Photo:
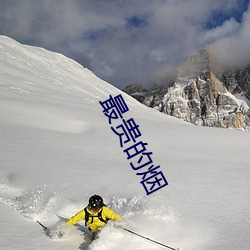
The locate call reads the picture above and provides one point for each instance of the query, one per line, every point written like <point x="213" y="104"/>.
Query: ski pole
<point x="45" y="228"/>
<point x="149" y="239"/>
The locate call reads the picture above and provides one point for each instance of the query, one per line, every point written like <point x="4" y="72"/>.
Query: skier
<point x="95" y="214"/>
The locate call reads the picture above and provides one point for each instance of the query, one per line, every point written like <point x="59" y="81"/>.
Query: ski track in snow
<point x="43" y="117"/>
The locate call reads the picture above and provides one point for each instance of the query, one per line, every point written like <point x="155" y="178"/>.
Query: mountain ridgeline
<point x="202" y="95"/>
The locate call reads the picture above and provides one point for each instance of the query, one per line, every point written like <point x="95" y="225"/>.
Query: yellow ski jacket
<point x="94" y="223"/>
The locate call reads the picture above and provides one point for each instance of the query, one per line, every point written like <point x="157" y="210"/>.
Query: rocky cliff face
<point x="199" y="96"/>
<point x="237" y="81"/>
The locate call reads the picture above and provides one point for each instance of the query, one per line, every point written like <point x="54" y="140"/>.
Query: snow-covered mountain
<point x="201" y="95"/>
<point x="57" y="148"/>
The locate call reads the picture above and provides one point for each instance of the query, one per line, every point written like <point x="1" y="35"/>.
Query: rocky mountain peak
<point x="196" y="64"/>
<point x="200" y="96"/>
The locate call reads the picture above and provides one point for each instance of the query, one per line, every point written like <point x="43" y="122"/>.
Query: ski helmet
<point x="96" y="202"/>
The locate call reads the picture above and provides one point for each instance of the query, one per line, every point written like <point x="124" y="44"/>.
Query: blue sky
<point x="131" y="41"/>
<point x="218" y="17"/>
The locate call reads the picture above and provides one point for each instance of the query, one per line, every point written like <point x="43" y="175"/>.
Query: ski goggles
<point x="94" y="208"/>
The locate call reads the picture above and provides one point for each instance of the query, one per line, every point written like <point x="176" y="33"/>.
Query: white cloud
<point x="233" y="49"/>
<point x="228" y="28"/>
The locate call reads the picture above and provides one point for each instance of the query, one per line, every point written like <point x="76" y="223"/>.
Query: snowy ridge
<point x="57" y="149"/>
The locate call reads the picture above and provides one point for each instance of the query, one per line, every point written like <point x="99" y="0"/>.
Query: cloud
<point x="228" y="28"/>
<point x="233" y="49"/>
<point x="126" y="42"/>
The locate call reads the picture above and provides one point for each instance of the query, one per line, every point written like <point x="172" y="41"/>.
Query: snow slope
<point x="57" y="149"/>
